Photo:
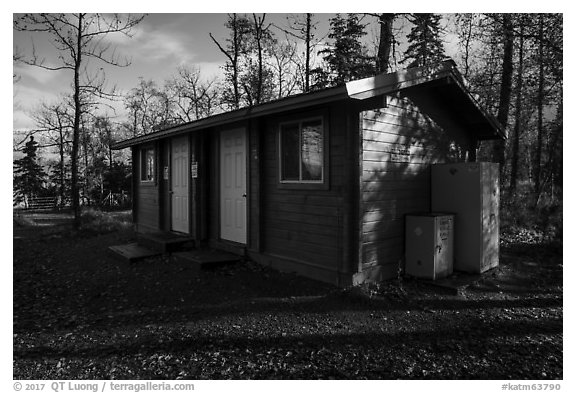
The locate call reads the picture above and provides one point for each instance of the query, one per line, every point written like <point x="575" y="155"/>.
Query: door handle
<point x="243" y="195"/>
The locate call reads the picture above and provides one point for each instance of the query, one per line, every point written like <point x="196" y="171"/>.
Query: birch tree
<point x="78" y="39"/>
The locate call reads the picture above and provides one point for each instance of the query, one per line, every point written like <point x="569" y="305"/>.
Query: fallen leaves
<point x="83" y="315"/>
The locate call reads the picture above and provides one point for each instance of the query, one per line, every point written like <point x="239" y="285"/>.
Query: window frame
<point x="143" y="162"/>
<point x="300" y="183"/>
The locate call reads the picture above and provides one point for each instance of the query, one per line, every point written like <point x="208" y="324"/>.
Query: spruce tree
<point x="347" y="59"/>
<point x="29" y="176"/>
<point x="424" y="42"/>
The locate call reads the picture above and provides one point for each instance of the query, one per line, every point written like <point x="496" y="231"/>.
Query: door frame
<point x="186" y="138"/>
<point x="244" y="128"/>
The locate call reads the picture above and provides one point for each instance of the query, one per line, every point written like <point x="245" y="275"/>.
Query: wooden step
<point x="132" y="252"/>
<point x="165" y="242"/>
<point x="207" y="258"/>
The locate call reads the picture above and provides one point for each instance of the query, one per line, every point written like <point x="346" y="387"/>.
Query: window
<point x="302" y="151"/>
<point x="147" y="164"/>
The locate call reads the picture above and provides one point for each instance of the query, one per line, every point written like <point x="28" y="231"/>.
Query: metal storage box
<point x="471" y="192"/>
<point x="429" y="245"/>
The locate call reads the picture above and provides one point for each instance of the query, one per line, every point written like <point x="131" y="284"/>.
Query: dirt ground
<point x="79" y="313"/>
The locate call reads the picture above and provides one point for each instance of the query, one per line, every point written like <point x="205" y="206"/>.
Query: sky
<point x="160" y="44"/>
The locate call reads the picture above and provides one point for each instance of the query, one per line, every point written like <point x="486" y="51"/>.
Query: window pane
<point x="143" y="164"/>
<point x="150" y="164"/>
<point x="147" y="162"/>
<point x="289" y="145"/>
<point x="312" y="154"/>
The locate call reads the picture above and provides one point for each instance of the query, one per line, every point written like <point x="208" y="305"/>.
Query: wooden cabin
<point x="317" y="183"/>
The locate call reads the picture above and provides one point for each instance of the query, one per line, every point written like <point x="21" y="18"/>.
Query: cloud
<point x="155" y="45"/>
<point x="35" y="75"/>
<point x="210" y="70"/>
<point x="25" y="100"/>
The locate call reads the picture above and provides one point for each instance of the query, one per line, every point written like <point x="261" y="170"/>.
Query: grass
<point x="99" y="221"/>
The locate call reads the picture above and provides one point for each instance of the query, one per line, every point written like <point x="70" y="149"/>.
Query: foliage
<point x="347" y="58"/>
<point x="182" y="98"/>
<point x="258" y="85"/>
<point x="29" y="176"/>
<point x="235" y="48"/>
<point x="193" y="98"/>
<point x="261" y="65"/>
<point x="303" y="27"/>
<point x="536" y="110"/>
<point x="149" y="108"/>
<point x="97" y="221"/>
<point x="79" y="40"/>
<point x="118" y="178"/>
<point x="521" y="218"/>
<point x="60" y="182"/>
<point x="286" y="67"/>
<point x="424" y="40"/>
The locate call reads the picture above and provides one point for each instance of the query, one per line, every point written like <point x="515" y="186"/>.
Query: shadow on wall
<point x="399" y="143"/>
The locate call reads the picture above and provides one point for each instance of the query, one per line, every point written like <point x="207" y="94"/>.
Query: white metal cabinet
<point x="429" y="245"/>
<point x="472" y="193"/>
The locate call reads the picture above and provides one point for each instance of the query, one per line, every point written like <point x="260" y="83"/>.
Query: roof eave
<point x="417" y="76"/>
<point x="285" y="104"/>
<point x="359" y="90"/>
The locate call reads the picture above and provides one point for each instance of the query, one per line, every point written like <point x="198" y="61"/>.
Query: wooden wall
<point x="147" y="194"/>
<point x="255" y="130"/>
<point x="305" y="225"/>
<point x="399" y="142"/>
<point x="165" y="216"/>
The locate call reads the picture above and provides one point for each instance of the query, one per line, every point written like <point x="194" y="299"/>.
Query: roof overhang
<point x="283" y="105"/>
<point x="444" y="84"/>
<point x="442" y="81"/>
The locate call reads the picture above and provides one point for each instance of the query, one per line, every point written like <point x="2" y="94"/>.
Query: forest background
<point x="513" y="64"/>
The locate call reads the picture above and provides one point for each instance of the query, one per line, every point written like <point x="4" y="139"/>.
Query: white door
<point x="233" y="185"/>
<point x="180" y="180"/>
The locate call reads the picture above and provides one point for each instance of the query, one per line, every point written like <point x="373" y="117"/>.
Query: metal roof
<point x="442" y="79"/>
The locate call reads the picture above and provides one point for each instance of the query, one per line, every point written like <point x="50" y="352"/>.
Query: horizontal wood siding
<point x="399" y="142"/>
<point x="304" y="224"/>
<point x="254" y="175"/>
<point x="213" y="161"/>
<point x="165" y="218"/>
<point x="148" y="203"/>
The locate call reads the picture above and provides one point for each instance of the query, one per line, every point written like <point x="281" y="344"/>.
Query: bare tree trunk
<point x="554" y="162"/>
<point x="235" y="57"/>
<point x="61" y="180"/>
<point x="386" y="22"/>
<point x="258" y="33"/>
<point x="518" y="115"/>
<point x="466" y="39"/>
<point x="74" y="42"/>
<point x="76" y="129"/>
<point x="308" y="44"/>
<point x="86" y="174"/>
<point x="540" y="104"/>
<point x="505" y="90"/>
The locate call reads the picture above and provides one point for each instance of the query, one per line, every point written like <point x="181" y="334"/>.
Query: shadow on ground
<point x="81" y="314"/>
